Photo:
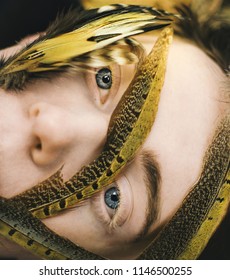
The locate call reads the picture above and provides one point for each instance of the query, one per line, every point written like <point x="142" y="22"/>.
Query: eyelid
<point x="124" y="210"/>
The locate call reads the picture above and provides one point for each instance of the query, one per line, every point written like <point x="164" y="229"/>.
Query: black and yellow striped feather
<point x="24" y="229"/>
<point x="73" y="38"/>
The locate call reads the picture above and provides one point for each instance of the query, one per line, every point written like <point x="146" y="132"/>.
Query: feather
<point x="125" y="51"/>
<point x="62" y="44"/>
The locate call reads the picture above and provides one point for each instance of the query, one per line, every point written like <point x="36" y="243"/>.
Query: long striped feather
<point x="91" y="30"/>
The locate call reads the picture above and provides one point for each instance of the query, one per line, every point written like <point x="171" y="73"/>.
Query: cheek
<point x="19" y="176"/>
<point x="80" y="226"/>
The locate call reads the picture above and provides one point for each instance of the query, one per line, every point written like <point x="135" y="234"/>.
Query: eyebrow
<point x="152" y="181"/>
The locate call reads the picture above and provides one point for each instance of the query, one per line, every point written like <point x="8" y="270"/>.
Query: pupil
<point x="114" y="197"/>
<point x="106" y="79"/>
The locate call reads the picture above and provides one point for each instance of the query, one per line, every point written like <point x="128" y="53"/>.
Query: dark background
<point x="19" y="18"/>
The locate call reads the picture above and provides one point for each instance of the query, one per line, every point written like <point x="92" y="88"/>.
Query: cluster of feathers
<point x="84" y="40"/>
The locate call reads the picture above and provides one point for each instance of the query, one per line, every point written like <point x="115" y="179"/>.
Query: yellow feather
<point x="103" y="27"/>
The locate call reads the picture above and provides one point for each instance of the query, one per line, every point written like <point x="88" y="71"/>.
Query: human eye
<point x="112" y="198"/>
<point x="107" y="84"/>
<point x="113" y="205"/>
<point x="103" y="83"/>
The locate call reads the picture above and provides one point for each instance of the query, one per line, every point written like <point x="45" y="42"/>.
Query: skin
<point x="55" y="113"/>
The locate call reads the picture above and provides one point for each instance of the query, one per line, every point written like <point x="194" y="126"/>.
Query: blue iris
<point x="112" y="198"/>
<point x="104" y="78"/>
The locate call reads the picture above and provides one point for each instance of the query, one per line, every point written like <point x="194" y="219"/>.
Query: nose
<point x="52" y="132"/>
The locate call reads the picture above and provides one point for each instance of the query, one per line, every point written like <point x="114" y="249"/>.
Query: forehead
<point x="190" y="107"/>
<point x="191" y="69"/>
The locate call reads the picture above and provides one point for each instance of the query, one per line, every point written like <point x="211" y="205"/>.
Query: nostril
<point x="38" y="144"/>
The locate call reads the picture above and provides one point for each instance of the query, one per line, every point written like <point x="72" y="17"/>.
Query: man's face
<point x="64" y="121"/>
